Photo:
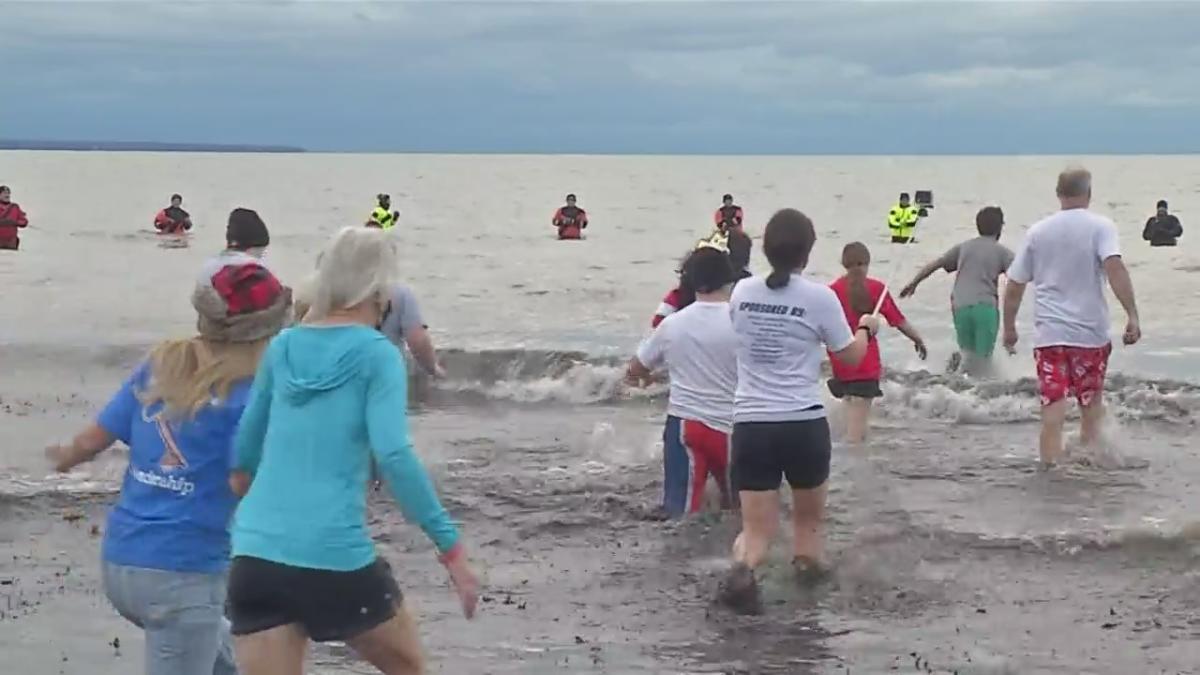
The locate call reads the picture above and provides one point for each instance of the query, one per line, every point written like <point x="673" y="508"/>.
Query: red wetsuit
<point x="570" y="221"/>
<point x="11" y="219"/>
<point x="728" y="216"/>
<point x="172" y="220"/>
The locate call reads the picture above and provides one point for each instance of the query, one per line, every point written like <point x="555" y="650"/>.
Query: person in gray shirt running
<point x="403" y="325"/>
<point x="979" y="263"/>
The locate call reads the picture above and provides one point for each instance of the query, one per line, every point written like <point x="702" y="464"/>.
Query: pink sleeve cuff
<point x="457" y="551"/>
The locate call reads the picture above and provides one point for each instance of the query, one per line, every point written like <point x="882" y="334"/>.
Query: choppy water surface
<point x="953" y="553"/>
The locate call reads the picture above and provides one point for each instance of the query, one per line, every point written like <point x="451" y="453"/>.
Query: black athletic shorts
<point x="859" y="388"/>
<point x="329" y="605"/>
<point x="765" y="452"/>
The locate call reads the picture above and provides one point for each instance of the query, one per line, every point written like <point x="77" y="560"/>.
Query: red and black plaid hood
<point x="241" y="302"/>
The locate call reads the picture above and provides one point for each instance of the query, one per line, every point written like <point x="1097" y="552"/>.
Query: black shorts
<point x="765" y="452"/>
<point x="329" y="605"/>
<point x="859" y="388"/>
<point x="903" y="240"/>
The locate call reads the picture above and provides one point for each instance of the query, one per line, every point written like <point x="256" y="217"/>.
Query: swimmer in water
<point x="784" y="323"/>
<point x="857" y="385"/>
<point x="697" y="346"/>
<point x="330" y="394"/>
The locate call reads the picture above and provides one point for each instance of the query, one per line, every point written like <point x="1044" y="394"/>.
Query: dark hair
<point x="176" y="196"/>
<point x="1162" y="203"/>
<point x="989" y="221"/>
<point x="855" y="258"/>
<point x="571" y="196"/>
<point x="787" y="241"/>
<point x="727" y="198"/>
<point x="706" y="270"/>
<point x="246" y="230"/>
<point x="739" y="249"/>
<point x="5" y="188"/>
<point x="904" y="195"/>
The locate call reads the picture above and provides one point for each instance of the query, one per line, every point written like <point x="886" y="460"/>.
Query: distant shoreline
<point x="141" y="146"/>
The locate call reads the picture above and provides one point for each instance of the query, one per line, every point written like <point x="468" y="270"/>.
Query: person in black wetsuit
<point x="1163" y="229"/>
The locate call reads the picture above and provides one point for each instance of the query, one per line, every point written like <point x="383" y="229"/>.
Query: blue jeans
<point x="183" y="615"/>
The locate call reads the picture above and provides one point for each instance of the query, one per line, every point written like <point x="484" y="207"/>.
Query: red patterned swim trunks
<point x="1071" y="371"/>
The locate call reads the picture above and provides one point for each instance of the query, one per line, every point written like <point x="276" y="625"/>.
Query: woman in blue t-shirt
<point x="166" y="545"/>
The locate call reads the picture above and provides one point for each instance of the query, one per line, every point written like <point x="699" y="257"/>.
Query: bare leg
<point x="808" y="522"/>
<point x="1092" y="422"/>
<point x="278" y="651"/>
<point x="858" y="415"/>
<point x="394" y="646"/>
<point x="1051" y="442"/>
<point x="760" y="523"/>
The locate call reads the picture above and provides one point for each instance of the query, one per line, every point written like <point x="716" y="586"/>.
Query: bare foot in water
<point x="739" y="591"/>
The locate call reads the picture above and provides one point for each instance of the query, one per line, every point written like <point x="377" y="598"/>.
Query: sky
<point x="663" y="77"/>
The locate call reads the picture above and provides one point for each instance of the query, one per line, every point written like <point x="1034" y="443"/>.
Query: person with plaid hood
<point x="246" y="241"/>
<point x="166" y="544"/>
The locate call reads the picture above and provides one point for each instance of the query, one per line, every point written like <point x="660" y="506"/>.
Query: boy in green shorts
<point x="979" y="263"/>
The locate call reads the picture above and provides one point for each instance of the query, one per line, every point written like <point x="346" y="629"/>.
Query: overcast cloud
<point x="602" y="76"/>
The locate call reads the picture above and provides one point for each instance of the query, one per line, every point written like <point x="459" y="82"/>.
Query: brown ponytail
<point x="856" y="258"/>
<point x="787" y="241"/>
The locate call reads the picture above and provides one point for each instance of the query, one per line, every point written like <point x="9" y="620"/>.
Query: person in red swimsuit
<point x="858" y="385"/>
<point x="12" y="218"/>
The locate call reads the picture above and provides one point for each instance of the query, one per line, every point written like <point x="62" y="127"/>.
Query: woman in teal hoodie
<point x="330" y="393"/>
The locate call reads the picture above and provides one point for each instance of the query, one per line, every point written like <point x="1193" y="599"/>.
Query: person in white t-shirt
<point x="1067" y="257"/>
<point x="784" y="323"/>
<point x="698" y="347"/>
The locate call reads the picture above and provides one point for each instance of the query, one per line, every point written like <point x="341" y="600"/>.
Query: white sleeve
<point x="831" y="322"/>
<point x="652" y="352"/>
<point x="1107" y="242"/>
<point x="1021" y="269"/>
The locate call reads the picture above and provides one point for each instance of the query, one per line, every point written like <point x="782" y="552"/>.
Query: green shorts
<point x="976" y="327"/>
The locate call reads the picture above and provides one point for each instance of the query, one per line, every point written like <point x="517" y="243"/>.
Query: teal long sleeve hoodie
<point x="324" y="399"/>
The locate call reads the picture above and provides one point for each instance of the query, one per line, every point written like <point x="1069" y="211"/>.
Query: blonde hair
<point x="359" y="265"/>
<point x="185" y="375"/>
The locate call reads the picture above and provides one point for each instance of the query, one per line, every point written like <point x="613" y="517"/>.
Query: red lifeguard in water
<point x="11" y="219"/>
<point x="729" y="216"/>
<point x="570" y="220"/>
<point x="173" y="219"/>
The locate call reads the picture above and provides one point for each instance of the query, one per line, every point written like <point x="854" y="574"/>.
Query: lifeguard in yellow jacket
<point x="383" y="216"/>
<point x="902" y="220"/>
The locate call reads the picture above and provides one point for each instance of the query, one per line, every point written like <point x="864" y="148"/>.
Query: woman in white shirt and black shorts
<point x="784" y="323"/>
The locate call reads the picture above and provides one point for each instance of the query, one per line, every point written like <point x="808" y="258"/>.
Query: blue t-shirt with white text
<point x="175" y="505"/>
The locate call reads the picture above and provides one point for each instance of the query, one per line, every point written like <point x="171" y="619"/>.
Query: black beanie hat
<point x="246" y="230"/>
<point x="1162" y="204"/>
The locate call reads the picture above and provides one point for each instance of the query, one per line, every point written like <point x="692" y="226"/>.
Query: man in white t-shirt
<point x="1067" y="257"/>
<point x="697" y="346"/>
